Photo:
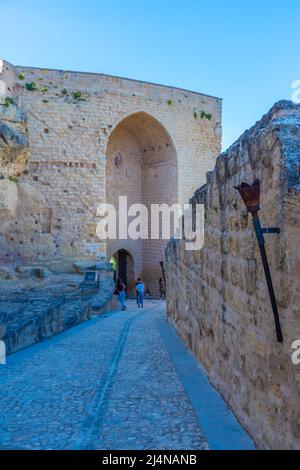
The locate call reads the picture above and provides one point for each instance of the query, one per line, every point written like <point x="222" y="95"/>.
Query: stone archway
<point x="125" y="269"/>
<point x="142" y="165"/>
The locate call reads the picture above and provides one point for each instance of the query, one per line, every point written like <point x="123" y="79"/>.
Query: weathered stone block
<point x="26" y="272"/>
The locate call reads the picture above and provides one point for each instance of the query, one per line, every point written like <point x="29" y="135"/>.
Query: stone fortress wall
<point x="67" y="130"/>
<point x="217" y="297"/>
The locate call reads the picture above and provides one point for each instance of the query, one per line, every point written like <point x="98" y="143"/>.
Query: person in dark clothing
<point x="120" y="291"/>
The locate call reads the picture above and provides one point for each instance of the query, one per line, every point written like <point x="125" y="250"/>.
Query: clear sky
<point x="245" y="51"/>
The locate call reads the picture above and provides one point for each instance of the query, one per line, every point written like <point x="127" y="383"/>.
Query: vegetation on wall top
<point x="202" y="115"/>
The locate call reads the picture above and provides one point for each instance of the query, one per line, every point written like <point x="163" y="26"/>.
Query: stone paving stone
<point x="109" y="383"/>
<point x="218" y="423"/>
<point x="147" y="396"/>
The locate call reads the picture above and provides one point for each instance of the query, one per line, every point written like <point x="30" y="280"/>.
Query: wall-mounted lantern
<point x="251" y="197"/>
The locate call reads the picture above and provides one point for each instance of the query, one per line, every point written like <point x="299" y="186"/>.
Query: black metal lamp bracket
<point x="251" y="195"/>
<point x="271" y="230"/>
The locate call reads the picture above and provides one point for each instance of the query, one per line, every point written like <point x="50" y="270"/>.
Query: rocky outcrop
<point x="7" y="273"/>
<point x="32" y="314"/>
<point x="27" y="272"/>
<point x="14" y="148"/>
<point x="217" y="297"/>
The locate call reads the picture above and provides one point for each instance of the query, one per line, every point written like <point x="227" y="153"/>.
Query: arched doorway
<point x="123" y="264"/>
<point x="142" y="165"/>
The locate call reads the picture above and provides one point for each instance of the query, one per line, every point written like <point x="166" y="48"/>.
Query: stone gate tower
<point x="72" y="140"/>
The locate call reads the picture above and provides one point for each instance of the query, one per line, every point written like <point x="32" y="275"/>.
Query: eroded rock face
<point x="28" y="272"/>
<point x="217" y="297"/>
<point x="14" y="148"/>
<point x="7" y="273"/>
<point x="38" y="304"/>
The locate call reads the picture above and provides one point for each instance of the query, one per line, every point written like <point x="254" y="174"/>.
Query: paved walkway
<point x="120" y="381"/>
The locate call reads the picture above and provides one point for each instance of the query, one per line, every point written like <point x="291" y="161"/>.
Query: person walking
<point x="162" y="288"/>
<point x="140" y="289"/>
<point x="120" y="291"/>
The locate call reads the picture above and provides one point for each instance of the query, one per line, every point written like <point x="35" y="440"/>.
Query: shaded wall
<point x="217" y="297"/>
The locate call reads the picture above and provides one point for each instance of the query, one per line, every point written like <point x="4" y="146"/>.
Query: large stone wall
<point x="217" y="297"/>
<point x="70" y="120"/>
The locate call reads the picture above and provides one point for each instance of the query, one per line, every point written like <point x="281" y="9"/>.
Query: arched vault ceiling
<point x="155" y="142"/>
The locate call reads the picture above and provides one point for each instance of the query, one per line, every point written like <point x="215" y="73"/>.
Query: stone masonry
<point x="81" y="139"/>
<point x="217" y="297"/>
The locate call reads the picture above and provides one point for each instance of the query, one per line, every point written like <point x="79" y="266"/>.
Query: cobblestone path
<point x="120" y="381"/>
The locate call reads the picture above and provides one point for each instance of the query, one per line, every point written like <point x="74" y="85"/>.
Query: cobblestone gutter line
<point x="96" y="411"/>
<point x="114" y="382"/>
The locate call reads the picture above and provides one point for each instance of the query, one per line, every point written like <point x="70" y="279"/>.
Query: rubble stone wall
<point x="217" y="297"/>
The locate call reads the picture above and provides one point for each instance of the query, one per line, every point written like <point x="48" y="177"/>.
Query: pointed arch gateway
<point x="141" y="163"/>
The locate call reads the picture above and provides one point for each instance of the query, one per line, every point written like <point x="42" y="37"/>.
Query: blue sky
<point x="245" y="51"/>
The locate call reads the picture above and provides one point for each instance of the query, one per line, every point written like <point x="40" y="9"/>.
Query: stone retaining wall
<point x="217" y="297"/>
<point x="26" y="321"/>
